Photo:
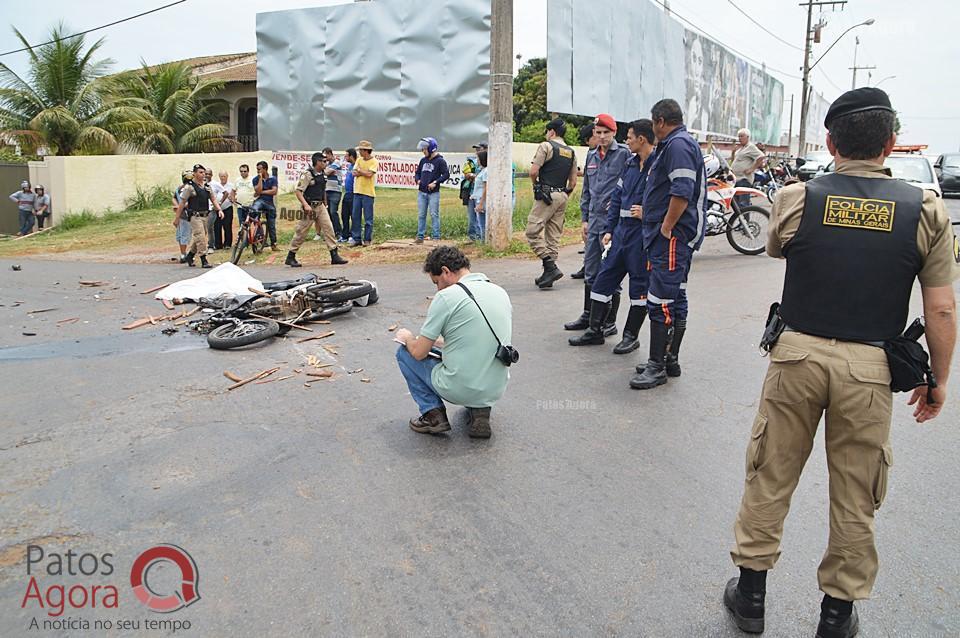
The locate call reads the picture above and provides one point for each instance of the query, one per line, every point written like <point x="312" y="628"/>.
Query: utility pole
<point x="790" y="129"/>
<point x="500" y="157"/>
<point x="807" y="46"/>
<point x="854" y="68"/>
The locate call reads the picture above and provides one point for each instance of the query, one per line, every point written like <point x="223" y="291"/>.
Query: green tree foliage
<point x="59" y="104"/>
<point x="530" y="114"/>
<point x="189" y="118"/>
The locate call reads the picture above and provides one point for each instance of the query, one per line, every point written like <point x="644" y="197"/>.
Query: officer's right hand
<point x="606" y="238"/>
<point x="924" y="410"/>
<point x="583" y="231"/>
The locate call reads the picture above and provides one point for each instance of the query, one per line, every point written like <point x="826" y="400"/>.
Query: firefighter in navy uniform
<point x="553" y="172"/>
<point x="626" y="254"/>
<point x="674" y="220"/>
<point x="195" y="199"/>
<point x="854" y="241"/>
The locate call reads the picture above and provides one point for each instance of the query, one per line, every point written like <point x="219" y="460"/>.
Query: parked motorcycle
<point x="744" y="226"/>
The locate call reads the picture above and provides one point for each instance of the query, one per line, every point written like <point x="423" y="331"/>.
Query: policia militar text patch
<point x="857" y="212"/>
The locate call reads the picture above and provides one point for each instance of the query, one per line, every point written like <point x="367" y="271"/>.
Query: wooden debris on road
<point x="154" y="289"/>
<point x="138" y="323"/>
<point x="282" y="323"/>
<point x="256" y="377"/>
<point x="37" y="312"/>
<point x="323" y="374"/>
<point x="167" y="304"/>
<point x="365" y="380"/>
<point x="233" y="377"/>
<point x="392" y="328"/>
<point x="94" y="283"/>
<point x="323" y="336"/>
<point x="258" y="292"/>
<point x="331" y="349"/>
<point x="70" y="320"/>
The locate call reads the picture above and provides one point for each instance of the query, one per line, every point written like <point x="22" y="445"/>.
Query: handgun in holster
<point x="542" y="194"/>
<point x="773" y="329"/>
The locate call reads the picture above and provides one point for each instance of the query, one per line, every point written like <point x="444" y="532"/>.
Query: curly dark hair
<point x="449" y="256"/>
<point x="862" y="135"/>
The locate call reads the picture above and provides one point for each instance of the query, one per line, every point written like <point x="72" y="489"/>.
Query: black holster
<point x="542" y="194"/>
<point x="773" y="329"/>
<point x="908" y="361"/>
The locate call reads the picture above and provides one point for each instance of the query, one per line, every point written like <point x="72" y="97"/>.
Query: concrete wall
<point x="98" y="183"/>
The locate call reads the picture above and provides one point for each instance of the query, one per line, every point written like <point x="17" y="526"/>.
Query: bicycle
<point x="252" y="233"/>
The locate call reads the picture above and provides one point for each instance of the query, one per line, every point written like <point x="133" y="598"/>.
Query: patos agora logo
<point x="156" y="601"/>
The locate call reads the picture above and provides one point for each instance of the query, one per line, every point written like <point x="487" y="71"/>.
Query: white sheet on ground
<point x="225" y="278"/>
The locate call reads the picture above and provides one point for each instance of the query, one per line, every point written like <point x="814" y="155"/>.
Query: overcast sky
<point x="920" y="48"/>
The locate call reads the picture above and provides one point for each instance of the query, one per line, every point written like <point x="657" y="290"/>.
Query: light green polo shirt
<point x="469" y="375"/>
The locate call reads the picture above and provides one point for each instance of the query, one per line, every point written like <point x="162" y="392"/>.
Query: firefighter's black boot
<point x="654" y="373"/>
<point x="599" y="310"/>
<point x="673" y="352"/>
<point x="631" y="330"/>
<point x="583" y="321"/>
<point x="610" y="323"/>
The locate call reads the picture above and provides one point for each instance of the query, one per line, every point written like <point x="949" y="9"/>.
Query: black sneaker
<point x="747" y="608"/>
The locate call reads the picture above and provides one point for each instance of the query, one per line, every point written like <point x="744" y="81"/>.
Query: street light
<point x="889" y="77"/>
<point x="807" y="67"/>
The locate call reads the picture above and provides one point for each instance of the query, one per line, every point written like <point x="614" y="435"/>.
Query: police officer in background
<point x="194" y="206"/>
<point x="854" y="241"/>
<point x="312" y="194"/>
<point x="674" y="219"/>
<point x="601" y="171"/>
<point x="624" y="235"/>
<point x="554" y="176"/>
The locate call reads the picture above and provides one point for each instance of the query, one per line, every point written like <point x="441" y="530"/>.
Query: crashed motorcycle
<point x="238" y="321"/>
<point x="745" y="226"/>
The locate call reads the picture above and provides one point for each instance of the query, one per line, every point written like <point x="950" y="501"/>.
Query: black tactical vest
<point x="318" y="184"/>
<point x="852" y="263"/>
<point x="199" y="202"/>
<point x="556" y="170"/>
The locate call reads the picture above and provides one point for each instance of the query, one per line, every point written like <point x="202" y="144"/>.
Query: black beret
<point x="866" y="98"/>
<point x="557" y="126"/>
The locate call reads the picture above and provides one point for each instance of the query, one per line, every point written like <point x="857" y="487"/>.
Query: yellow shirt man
<point x="366" y="185"/>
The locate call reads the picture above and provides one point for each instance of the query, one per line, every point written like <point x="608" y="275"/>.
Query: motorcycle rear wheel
<point x="747" y="230"/>
<point x="247" y="332"/>
<point x="346" y="292"/>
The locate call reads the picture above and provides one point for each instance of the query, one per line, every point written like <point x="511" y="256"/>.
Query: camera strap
<point x="470" y="294"/>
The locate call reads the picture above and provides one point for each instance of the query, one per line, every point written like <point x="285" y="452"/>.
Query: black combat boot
<point x="838" y="619"/>
<point x="673" y="352"/>
<point x="203" y="262"/>
<point x="744" y="598"/>
<point x="654" y="372"/>
<point x="583" y="321"/>
<point x="550" y="274"/>
<point x="599" y="310"/>
<point x="336" y="259"/>
<point x="478" y="423"/>
<point x="188" y="259"/>
<point x="292" y="260"/>
<point x="431" y="422"/>
<point x="610" y="323"/>
<point x="578" y="275"/>
<point x="631" y="330"/>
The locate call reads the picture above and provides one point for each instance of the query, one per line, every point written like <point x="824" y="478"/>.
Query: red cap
<point x="605" y="119"/>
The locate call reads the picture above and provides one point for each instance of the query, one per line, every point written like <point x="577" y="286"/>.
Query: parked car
<point x="911" y="168"/>
<point x="947" y="168"/>
<point x="813" y="163"/>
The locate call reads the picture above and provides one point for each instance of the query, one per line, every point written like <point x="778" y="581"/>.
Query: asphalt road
<point x="594" y="510"/>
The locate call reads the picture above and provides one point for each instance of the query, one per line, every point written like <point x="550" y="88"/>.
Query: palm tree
<point x="190" y="118"/>
<point x="61" y="106"/>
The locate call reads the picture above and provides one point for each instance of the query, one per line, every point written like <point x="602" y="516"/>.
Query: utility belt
<point x="909" y="363"/>
<point x="195" y="213"/>
<point x="543" y="193"/>
<point x="315" y="202"/>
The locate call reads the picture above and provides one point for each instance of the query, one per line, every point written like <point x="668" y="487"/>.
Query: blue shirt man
<point x="265" y="187"/>
<point x="674" y="219"/>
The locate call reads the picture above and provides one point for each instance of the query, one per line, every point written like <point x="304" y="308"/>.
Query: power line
<point x="27" y="48"/>
<point x="769" y="32"/>
<point x="742" y="55"/>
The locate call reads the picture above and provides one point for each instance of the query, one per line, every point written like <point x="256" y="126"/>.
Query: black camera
<point x="507" y="355"/>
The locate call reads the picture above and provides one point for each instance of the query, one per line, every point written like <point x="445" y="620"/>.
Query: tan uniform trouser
<point x="198" y="239"/>
<point x="850" y="382"/>
<point x="545" y="225"/>
<point x="305" y="223"/>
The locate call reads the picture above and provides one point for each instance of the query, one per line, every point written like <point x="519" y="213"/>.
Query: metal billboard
<point x="389" y="71"/>
<point x="647" y="56"/>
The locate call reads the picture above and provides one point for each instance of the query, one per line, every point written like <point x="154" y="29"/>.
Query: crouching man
<point x="455" y="357"/>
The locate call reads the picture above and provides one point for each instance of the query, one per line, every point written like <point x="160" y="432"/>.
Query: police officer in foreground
<point x="624" y="237"/>
<point x="674" y="219"/>
<point x="854" y="241"/>
<point x="601" y="172"/>
<point x="195" y="201"/>
<point x="554" y="176"/>
<point x="312" y="195"/>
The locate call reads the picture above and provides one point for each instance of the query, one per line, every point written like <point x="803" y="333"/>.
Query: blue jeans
<point x="262" y="206"/>
<point x="362" y="204"/>
<point x="428" y="202"/>
<point x="346" y="213"/>
<point x="482" y="225"/>
<point x="473" y="228"/>
<point x="417" y="375"/>
<point x="26" y="221"/>
<point x="333" y="201"/>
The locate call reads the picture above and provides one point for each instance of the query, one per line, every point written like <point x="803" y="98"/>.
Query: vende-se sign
<point x="396" y="170"/>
